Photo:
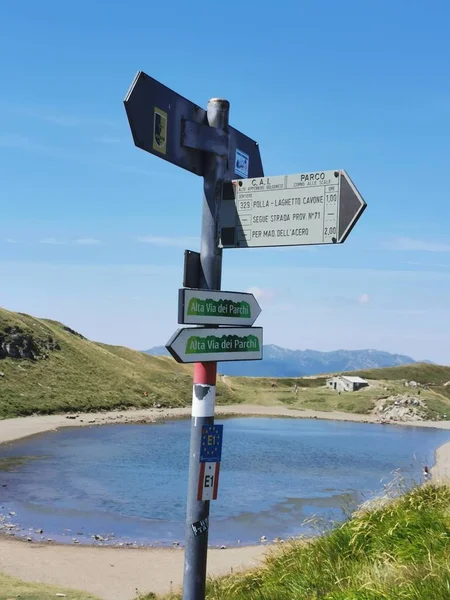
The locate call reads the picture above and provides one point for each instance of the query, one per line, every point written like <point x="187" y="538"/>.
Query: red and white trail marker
<point x="208" y="481"/>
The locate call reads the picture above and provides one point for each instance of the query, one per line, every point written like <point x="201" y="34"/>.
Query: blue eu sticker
<point x="211" y="444"/>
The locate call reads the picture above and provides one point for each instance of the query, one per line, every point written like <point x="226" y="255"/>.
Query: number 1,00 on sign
<point x="288" y="210"/>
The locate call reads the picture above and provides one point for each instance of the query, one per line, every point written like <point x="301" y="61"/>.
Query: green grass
<point x="443" y="391"/>
<point x="399" y="550"/>
<point x="12" y="588"/>
<point x="88" y="376"/>
<point x="81" y="375"/>
<point x="313" y="395"/>
<point x="437" y="406"/>
<point x="420" y="372"/>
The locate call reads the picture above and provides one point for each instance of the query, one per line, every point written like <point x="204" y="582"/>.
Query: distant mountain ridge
<point x="283" y="362"/>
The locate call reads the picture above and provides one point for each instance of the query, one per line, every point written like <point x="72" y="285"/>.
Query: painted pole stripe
<point x="201" y="479"/>
<point x="208" y="481"/>
<point x="205" y="373"/>
<point x="203" y="400"/>
<point x="216" y="481"/>
<point x="204" y="390"/>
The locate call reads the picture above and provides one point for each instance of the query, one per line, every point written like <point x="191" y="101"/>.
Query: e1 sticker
<point x="159" y="130"/>
<point x="211" y="443"/>
<point x="241" y="163"/>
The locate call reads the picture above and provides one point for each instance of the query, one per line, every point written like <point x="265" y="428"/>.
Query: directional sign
<point x="290" y="210"/>
<point x="211" y="344"/>
<point x="169" y="126"/>
<point x="201" y="307"/>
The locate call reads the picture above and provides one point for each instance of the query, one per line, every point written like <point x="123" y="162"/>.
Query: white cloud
<point x="427" y="265"/>
<point x="52" y="242"/>
<point x="414" y="245"/>
<point x="78" y="242"/>
<point x="12" y="241"/>
<point x="364" y="299"/>
<point x="176" y="242"/>
<point x="107" y="140"/>
<point x="15" y="140"/>
<point x="261" y="294"/>
<point x="128" y="168"/>
<point x="64" y="120"/>
<point x="21" y="142"/>
<point x="406" y="311"/>
<point x="87" y="242"/>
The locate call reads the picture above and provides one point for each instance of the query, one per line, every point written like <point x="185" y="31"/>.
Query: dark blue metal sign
<point x="175" y="129"/>
<point x="211" y="443"/>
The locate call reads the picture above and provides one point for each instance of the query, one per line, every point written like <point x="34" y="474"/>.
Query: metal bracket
<point x="192" y="269"/>
<point x="205" y="138"/>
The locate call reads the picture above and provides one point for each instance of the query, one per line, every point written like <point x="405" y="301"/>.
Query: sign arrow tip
<point x="351" y="207"/>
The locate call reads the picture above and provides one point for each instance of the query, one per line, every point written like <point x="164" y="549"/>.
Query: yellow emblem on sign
<point x="159" y="130"/>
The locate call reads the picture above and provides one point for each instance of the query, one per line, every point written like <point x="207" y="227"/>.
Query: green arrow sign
<point x="215" y="344"/>
<point x="201" y="307"/>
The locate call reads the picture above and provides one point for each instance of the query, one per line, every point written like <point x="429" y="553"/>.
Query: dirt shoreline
<point x="20" y="427"/>
<point x="115" y="573"/>
<point x="440" y="473"/>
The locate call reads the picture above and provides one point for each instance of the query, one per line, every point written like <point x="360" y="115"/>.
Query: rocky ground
<point x="401" y="407"/>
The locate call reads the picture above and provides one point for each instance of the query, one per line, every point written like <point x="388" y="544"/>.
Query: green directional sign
<point x="214" y="344"/>
<point x="202" y="307"/>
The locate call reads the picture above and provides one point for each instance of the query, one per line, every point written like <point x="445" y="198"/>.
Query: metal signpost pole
<point x="204" y="388"/>
<point x="318" y="207"/>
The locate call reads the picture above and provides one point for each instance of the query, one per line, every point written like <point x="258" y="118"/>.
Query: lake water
<point x="129" y="481"/>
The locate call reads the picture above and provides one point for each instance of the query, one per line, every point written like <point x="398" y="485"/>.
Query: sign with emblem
<point x="175" y="129"/>
<point x="211" y="443"/>
<point x="159" y="130"/>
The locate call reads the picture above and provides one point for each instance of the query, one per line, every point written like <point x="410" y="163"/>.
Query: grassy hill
<point x="396" y="550"/>
<point x="433" y="377"/>
<point x="71" y="373"/>
<point x="425" y="373"/>
<point x="384" y="383"/>
<point x="47" y="367"/>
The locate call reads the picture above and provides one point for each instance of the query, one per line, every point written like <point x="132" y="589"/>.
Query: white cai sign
<point x="290" y="210"/>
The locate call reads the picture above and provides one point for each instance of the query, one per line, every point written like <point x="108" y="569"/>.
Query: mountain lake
<point x="127" y="484"/>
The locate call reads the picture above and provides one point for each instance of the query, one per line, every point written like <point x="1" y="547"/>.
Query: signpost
<point x="241" y="209"/>
<point x="200" y="307"/>
<point x="169" y="126"/>
<point x="208" y="344"/>
<point x="290" y="210"/>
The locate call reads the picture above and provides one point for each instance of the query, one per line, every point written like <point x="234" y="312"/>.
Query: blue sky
<point x="92" y="230"/>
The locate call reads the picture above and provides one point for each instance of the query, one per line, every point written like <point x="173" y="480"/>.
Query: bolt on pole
<point x="204" y="388"/>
